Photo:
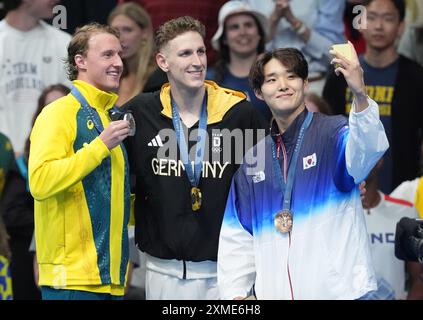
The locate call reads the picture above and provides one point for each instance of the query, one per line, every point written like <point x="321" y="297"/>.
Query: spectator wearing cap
<point x="241" y="36"/>
<point x="311" y="26"/>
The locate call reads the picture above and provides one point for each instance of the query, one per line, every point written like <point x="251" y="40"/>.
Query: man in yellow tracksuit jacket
<point x="78" y="176"/>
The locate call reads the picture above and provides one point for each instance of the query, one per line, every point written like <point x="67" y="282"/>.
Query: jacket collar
<point x="290" y="135"/>
<point x="98" y="99"/>
<point x="219" y="101"/>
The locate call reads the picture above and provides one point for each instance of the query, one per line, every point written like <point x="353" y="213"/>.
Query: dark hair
<point x="291" y="58"/>
<point x="175" y="27"/>
<point x="79" y="44"/>
<point x="9" y="5"/>
<point x="41" y="104"/>
<point x="399" y="4"/>
<point x="224" y="57"/>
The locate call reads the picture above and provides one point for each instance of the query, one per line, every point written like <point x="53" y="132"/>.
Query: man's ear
<point x="258" y="94"/>
<point x="305" y="85"/>
<point x="401" y="29"/>
<point x="162" y="62"/>
<point x="80" y="62"/>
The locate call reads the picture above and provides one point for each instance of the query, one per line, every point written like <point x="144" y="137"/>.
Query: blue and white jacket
<point x="326" y="255"/>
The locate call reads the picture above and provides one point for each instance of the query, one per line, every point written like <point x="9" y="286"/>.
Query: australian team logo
<point x="90" y="124"/>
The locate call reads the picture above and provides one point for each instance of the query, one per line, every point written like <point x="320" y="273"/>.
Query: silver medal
<point x="130" y="118"/>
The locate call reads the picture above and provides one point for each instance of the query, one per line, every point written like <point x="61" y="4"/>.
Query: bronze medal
<point x="195" y="198"/>
<point x="283" y="221"/>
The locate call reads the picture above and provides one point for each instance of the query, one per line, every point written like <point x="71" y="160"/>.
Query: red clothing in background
<point x="204" y="10"/>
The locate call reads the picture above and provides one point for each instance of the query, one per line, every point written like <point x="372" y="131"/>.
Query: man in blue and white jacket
<point x="293" y="226"/>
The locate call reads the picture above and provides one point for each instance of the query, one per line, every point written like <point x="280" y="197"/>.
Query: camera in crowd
<point x="409" y="240"/>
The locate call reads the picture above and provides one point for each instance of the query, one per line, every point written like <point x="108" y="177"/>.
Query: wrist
<point x="360" y="100"/>
<point x="300" y="28"/>
<point x="295" y="23"/>
<point x="360" y="94"/>
<point x="274" y="18"/>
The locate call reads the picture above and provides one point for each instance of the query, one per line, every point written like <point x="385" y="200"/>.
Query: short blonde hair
<point x="79" y="44"/>
<point x="175" y="27"/>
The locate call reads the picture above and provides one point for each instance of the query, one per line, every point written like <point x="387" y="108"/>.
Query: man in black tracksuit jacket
<point x="180" y="241"/>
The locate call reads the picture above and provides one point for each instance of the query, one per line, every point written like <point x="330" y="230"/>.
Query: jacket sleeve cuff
<point x="100" y="149"/>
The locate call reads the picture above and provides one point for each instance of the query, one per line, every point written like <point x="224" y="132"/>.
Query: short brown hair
<point x="79" y="44"/>
<point x="291" y="58"/>
<point x="175" y="27"/>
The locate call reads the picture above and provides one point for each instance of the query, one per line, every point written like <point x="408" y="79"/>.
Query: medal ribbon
<point x="95" y="118"/>
<point x="287" y="188"/>
<point x="193" y="177"/>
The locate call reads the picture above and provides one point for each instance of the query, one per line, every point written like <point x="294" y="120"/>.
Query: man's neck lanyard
<point x="193" y="177"/>
<point x="283" y="218"/>
<point x="89" y="111"/>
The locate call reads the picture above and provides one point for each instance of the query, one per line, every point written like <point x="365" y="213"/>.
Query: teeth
<point x="243" y="40"/>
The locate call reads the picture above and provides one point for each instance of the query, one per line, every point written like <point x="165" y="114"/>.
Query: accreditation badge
<point x="195" y="198"/>
<point x="283" y="221"/>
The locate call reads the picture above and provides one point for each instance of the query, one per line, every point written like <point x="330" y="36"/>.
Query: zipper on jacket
<point x="185" y="270"/>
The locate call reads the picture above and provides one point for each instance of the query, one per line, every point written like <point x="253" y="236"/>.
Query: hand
<point x="114" y="133"/>
<point x="282" y="8"/>
<point x="353" y="74"/>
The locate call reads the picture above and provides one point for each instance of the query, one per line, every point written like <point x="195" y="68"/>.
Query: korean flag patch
<point x="309" y="161"/>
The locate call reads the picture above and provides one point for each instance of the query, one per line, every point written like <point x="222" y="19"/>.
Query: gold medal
<point x="195" y="198"/>
<point x="283" y="221"/>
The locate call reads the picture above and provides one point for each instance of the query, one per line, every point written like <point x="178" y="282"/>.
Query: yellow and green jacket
<point x="5" y="280"/>
<point x="82" y="196"/>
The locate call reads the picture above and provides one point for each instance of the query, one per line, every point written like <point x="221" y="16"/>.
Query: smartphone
<point x="344" y="49"/>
